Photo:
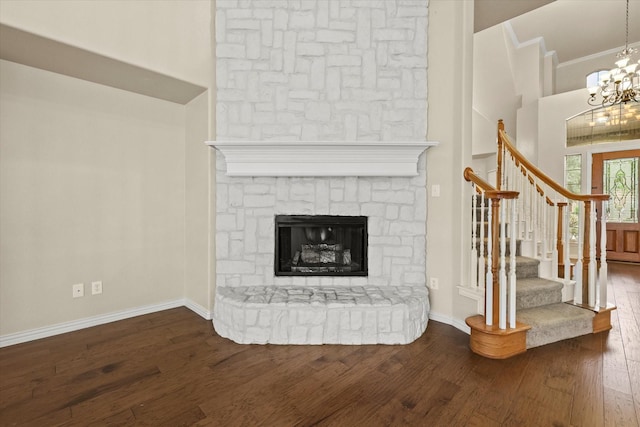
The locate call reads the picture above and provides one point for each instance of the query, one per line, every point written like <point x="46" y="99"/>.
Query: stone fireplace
<point x="395" y="207"/>
<point x="321" y="111"/>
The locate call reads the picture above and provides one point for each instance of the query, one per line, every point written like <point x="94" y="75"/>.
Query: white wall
<point x="526" y="131"/>
<point x="509" y="78"/>
<point x="450" y="41"/>
<point x="167" y="36"/>
<point x="198" y="158"/>
<point x="528" y="71"/>
<point x="494" y="87"/>
<point x="92" y="188"/>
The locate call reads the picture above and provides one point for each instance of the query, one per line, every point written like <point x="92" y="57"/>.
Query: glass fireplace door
<point x="320" y="245"/>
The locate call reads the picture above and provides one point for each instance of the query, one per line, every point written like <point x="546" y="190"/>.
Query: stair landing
<point x="555" y="322"/>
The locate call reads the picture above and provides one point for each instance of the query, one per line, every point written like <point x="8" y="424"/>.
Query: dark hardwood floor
<point x="171" y="369"/>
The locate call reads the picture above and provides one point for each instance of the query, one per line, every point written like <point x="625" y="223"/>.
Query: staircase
<point x="524" y="310"/>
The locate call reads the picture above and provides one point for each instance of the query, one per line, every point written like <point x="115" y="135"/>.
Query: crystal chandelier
<point x="620" y="84"/>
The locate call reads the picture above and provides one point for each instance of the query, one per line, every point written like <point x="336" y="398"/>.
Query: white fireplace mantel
<point x="322" y="158"/>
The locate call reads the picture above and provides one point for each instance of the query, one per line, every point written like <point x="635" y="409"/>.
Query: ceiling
<point x="572" y="28"/>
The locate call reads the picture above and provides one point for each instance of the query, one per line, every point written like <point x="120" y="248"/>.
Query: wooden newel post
<point x="559" y="241"/>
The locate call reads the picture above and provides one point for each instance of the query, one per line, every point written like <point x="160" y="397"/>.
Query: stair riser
<point x="522" y="272"/>
<point x="526" y="271"/>
<point x="538" y="299"/>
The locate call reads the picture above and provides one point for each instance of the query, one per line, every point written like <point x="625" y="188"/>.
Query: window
<point x="620" y="178"/>
<point x="573" y="183"/>
<point x="604" y="124"/>
<point x="593" y="79"/>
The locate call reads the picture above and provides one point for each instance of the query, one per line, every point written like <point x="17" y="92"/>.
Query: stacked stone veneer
<point x="320" y="70"/>
<point x="246" y="209"/>
<point x="322" y="315"/>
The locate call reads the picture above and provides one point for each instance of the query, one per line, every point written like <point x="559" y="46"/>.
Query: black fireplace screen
<point x="321" y="245"/>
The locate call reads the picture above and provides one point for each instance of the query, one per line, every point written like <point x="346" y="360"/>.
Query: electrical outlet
<point x="96" y="288"/>
<point x="78" y="290"/>
<point x="434" y="283"/>
<point x="435" y="190"/>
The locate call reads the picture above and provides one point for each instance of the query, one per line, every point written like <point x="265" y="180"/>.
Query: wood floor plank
<point x="170" y="368"/>
<point x="170" y="409"/>
<point x="634" y="375"/>
<point x="589" y="389"/>
<point x="619" y="410"/>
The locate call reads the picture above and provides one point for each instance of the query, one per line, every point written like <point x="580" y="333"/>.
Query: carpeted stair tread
<point x="555" y="322"/>
<point x="526" y="267"/>
<point x="535" y="292"/>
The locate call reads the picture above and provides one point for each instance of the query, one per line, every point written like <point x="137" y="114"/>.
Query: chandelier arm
<point x="618" y="86"/>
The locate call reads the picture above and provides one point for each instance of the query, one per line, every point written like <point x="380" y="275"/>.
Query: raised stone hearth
<point x="322" y="315"/>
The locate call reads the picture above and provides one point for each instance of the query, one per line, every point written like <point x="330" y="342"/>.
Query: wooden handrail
<point x="471" y="176"/>
<point x="503" y="138"/>
<point x="489" y="190"/>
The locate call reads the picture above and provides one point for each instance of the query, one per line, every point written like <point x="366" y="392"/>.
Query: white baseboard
<point x="462" y="326"/>
<point x="447" y="320"/>
<point x="198" y="309"/>
<point x="74" y="325"/>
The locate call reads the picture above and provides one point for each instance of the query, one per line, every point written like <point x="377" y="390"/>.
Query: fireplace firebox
<point x="320" y="245"/>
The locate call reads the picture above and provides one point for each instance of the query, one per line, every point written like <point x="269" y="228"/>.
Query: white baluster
<point x="592" y="256"/>
<point x="521" y="205"/>
<point x="565" y="245"/>
<point x="530" y="200"/>
<point x="603" y="280"/>
<point x="488" y="316"/>
<point x="508" y="218"/>
<point x="502" y="319"/>
<point x="554" y="249"/>
<point x="577" y="271"/>
<point x="553" y="224"/>
<point x="504" y="161"/>
<point x="544" y="245"/>
<point x="534" y="220"/>
<point x="512" y="272"/>
<point x="474" y="254"/>
<point x="481" y="259"/>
